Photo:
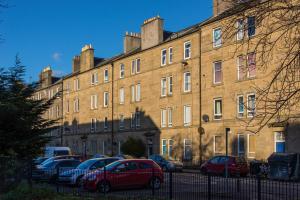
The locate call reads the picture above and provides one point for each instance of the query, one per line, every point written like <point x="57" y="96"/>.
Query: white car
<point x="73" y="177"/>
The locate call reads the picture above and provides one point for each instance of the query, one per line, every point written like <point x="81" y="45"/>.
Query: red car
<point x="216" y="166"/>
<point x="125" y="174"/>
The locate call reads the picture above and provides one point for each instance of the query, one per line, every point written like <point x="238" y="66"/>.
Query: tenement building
<point x="180" y="92"/>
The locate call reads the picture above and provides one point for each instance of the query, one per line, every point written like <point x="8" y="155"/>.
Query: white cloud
<point x="56" y="56"/>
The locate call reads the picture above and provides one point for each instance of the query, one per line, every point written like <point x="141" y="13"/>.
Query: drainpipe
<point x="200" y="97"/>
<point x="112" y="110"/>
<point x="62" y="113"/>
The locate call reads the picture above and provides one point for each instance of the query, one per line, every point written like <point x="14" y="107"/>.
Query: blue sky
<point x="51" y="32"/>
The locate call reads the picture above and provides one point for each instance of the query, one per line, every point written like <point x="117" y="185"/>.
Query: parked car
<point x="99" y="156"/>
<point x="39" y="160"/>
<point x="73" y="177"/>
<point x="50" y="170"/>
<point x="216" y="166"/>
<point x="167" y="165"/>
<point x="70" y="157"/>
<point x="57" y="151"/>
<point x="284" y="166"/>
<point x="125" y="174"/>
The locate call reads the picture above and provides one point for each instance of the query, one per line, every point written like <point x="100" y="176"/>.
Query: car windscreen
<point x="47" y="161"/>
<point x="50" y="164"/>
<point x="61" y="152"/>
<point x="112" y="165"/>
<point x="86" y="164"/>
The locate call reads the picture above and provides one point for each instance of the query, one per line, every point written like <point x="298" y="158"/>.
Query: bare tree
<point x="276" y="43"/>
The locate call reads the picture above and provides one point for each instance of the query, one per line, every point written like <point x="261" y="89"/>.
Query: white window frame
<point x="240" y="114"/>
<point x="94" y="102"/>
<point x="122" y="95"/>
<point x="216" y="114"/>
<point x="121" y="122"/>
<point x="170" y="55"/>
<point x="184" y="144"/>
<point x="276" y="140"/>
<point x="185" y="122"/>
<point x="240" y="33"/>
<point x="238" y="143"/>
<point x="122" y="70"/>
<point x="68" y="106"/>
<point x="189" y="83"/>
<point x="214" y="72"/>
<point x="163" y="60"/>
<point x="215" y="45"/>
<point x="163" y="118"/>
<point x="215" y="151"/>
<point x="138" y="65"/>
<point x="133" y="66"/>
<point x="105" y="100"/>
<point x="239" y="65"/>
<point x="132" y="92"/>
<point x="248" y="146"/>
<point x="248" y="64"/>
<point x="76" y="84"/>
<point x="137" y="119"/>
<point x="170" y="85"/>
<point x="94" y="78"/>
<point x="170" y="144"/>
<point x="76" y="105"/>
<point x="106" y="76"/>
<point x="170" y="117"/>
<point x="185" y="48"/>
<point x="248" y="111"/>
<point x="162" y="147"/>
<point x="132" y="121"/>
<point x="138" y="92"/>
<point x="93" y="124"/>
<point x="163" y="87"/>
<point x="105" y="124"/>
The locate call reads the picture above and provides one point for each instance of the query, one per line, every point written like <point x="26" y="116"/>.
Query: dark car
<point x="50" y="170"/>
<point x="167" y="164"/>
<point x="123" y="174"/>
<point x="216" y="166"/>
<point x="51" y="159"/>
<point x="73" y="176"/>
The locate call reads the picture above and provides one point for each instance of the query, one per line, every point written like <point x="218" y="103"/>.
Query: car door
<point x="119" y="176"/>
<point x="212" y="165"/>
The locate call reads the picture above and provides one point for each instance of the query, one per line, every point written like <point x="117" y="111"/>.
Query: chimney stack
<point x="131" y="41"/>
<point x="219" y="6"/>
<point x="152" y="32"/>
<point x="86" y="59"/>
<point x="46" y="77"/>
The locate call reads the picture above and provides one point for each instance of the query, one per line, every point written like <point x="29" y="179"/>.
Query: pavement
<point x="194" y="186"/>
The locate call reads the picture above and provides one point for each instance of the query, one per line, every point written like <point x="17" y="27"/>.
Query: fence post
<point x="152" y="182"/>
<point x="104" y="180"/>
<point x="258" y="187"/>
<point x="56" y="181"/>
<point x="171" y="185"/>
<point x="209" y="186"/>
<point x="238" y="184"/>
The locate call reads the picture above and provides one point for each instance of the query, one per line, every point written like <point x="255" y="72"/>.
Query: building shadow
<point x="106" y="136"/>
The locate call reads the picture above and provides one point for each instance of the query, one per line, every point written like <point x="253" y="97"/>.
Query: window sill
<point x="189" y="92"/>
<point x="217" y="47"/>
<point x="246" y="79"/>
<point x="217" y="84"/>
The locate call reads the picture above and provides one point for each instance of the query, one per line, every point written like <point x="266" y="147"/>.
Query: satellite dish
<point x="205" y="118"/>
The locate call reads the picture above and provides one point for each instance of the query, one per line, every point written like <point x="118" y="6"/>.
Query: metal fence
<point x="173" y="185"/>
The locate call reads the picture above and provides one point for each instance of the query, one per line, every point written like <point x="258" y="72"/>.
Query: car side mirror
<point x="93" y="167"/>
<point x="117" y="171"/>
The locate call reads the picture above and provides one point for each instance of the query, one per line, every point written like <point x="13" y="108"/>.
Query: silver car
<point x="73" y="177"/>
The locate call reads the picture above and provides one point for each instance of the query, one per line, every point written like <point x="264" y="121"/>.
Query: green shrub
<point x="134" y="147"/>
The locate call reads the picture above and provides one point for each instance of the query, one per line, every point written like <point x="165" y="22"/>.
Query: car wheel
<point x="78" y="181"/>
<point x="155" y="183"/>
<point x="104" y="187"/>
